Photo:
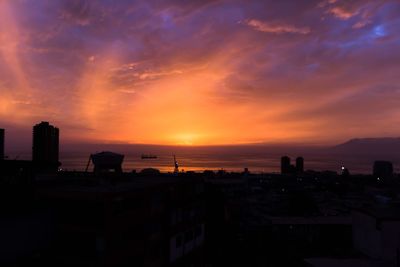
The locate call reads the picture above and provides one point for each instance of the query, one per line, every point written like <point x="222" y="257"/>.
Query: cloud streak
<point x="275" y="28"/>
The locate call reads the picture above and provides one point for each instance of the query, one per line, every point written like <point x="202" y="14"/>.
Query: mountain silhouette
<point x="385" y="145"/>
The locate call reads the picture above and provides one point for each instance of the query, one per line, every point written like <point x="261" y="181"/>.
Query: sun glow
<point x="187" y="139"/>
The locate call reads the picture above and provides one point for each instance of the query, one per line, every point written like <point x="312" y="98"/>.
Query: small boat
<point x="148" y="156"/>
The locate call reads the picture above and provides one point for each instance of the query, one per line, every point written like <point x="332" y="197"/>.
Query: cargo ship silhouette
<point x="148" y="156"/>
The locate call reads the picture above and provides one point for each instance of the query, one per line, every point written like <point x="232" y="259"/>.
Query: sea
<point x="257" y="158"/>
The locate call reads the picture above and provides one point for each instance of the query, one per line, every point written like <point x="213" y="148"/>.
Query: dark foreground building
<point x="285" y="165"/>
<point x="287" y="168"/>
<point x="196" y="219"/>
<point x="1" y="144"/>
<point x="45" y="144"/>
<point x="124" y="219"/>
<point x="383" y="169"/>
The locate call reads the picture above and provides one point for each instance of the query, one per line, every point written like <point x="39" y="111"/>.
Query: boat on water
<point x="148" y="156"/>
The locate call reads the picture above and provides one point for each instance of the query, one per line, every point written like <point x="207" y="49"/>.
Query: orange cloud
<point x="275" y="28"/>
<point x="342" y="13"/>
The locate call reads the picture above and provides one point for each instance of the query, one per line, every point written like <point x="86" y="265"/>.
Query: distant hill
<point x="386" y="145"/>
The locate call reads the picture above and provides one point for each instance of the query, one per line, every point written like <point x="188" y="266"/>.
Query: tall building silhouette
<point x="285" y="165"/>
<point x="300" y="164"/>
<point x="45" y="143"/>
<point x="383" y="168"/>
<point x="1" y="144"/>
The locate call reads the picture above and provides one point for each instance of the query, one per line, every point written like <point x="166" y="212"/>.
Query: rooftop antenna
<point x="88" y="163"/>
<point x="176" y="169"/>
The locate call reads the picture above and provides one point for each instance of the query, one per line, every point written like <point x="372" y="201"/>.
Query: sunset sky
<point x="201" y="72"/>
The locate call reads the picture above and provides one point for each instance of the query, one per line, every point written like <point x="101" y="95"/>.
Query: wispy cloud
<point x="77" y="11"/>
<point x="362" y="23"/>
<point x="275" y="27"/>
<point x="341" y="13"/>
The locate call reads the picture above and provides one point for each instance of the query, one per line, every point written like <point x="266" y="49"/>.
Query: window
<point x="197" y="231"/>
<point x="186" y="215"/>
<point x="179" y="215"/>
<point x="188" y="236"/>
<point x="173" y="217"/>
<point x="199" y="188"/>
<point x="156" y="201"/>
<point x="192" y="213"/>
<point x="178" y="241"/>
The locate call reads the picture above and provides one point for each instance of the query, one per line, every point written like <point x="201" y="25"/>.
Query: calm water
<point x="233" y="158"/>
<point x="257" y="159"/>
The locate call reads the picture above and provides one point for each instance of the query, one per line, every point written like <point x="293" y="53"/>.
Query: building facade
<point x="1" y="144"/>
<point x="142" y="221"/>
<point x="45" y="143"/>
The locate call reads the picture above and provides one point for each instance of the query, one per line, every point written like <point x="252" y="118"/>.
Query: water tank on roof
<point x="106" y="161"/>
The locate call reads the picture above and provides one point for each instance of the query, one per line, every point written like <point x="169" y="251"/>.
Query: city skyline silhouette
<point x="199" y="133"/>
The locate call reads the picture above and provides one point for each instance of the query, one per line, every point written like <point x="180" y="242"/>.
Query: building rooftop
<point x="78" y="182"/>
<point x="382" y="212"/>
<point x="328" y="262"/>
